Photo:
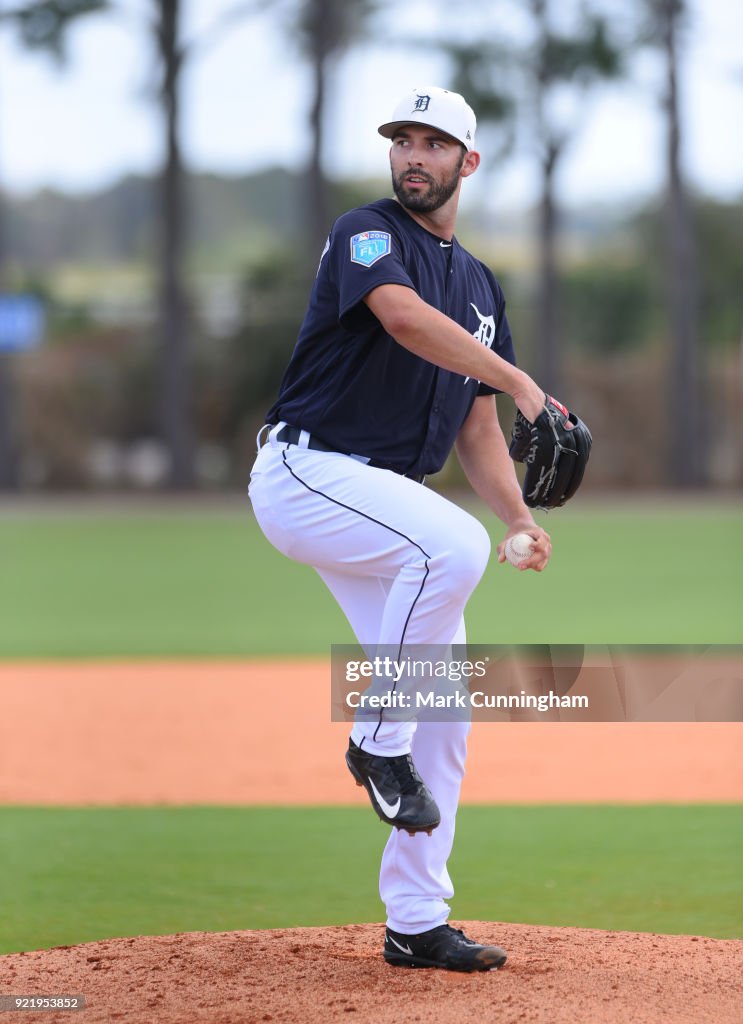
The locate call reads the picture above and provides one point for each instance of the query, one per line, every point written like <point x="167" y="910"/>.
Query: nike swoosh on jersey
<point x="389" y="809"/>
<point x="445" y="245"/>
<point x="405" y="949"/>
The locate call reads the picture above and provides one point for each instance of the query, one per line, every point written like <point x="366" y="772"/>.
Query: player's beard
<point x="439" y="192"/>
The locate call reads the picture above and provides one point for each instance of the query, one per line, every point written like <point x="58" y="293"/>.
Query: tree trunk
<point x="9" y="446"/>
<point x="317" y="186"/>
<point x="175" y="400"/>
<point x="9" y="456"/>
<point x="317" y="198"/>
<point x="546" y="342"/>
<point x="682" y="289"/>
<point x="548" y="364"/>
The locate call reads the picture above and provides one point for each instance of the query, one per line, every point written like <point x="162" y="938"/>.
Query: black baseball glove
<point x="555" y="454"/>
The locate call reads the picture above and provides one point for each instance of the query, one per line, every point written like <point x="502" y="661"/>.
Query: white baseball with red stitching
<point x="519" y="548"/>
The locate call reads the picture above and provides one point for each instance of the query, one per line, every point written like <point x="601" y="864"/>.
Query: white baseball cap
<point x="437" y="108"/>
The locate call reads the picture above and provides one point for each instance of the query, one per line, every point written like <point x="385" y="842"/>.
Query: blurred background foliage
<point x="173" y="301"/>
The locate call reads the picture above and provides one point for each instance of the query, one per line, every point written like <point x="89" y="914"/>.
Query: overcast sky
<point x="245" y="101"/>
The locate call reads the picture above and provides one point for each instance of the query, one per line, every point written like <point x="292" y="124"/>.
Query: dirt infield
<point x="259" y="732"/>
<point x="326" y="975"/>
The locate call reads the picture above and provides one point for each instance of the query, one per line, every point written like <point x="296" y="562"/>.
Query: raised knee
<point x="467" y="555"/>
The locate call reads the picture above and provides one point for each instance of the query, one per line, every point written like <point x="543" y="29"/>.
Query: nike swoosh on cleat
<point x="405" y="949"/>
<point x="389" y="809"/>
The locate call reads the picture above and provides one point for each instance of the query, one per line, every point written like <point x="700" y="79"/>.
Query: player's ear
<point x="470" y="163"/>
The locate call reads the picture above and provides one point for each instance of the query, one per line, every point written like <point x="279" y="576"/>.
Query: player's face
<point x="425" y="167"/>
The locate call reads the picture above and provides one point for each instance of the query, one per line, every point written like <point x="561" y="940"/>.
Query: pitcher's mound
<point x="325" y="975"/>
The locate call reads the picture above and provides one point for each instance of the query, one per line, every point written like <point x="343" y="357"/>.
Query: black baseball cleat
<point x="444" y="947"/>
<point x="397" y="792"/>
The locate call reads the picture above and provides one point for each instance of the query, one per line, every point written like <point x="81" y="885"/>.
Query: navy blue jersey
<point x="349" y="382"/>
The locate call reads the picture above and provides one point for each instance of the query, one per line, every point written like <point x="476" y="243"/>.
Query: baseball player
<point x="404" y="345"/>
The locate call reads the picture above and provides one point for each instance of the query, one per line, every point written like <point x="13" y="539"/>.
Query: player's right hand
<point x="541" y="553"/>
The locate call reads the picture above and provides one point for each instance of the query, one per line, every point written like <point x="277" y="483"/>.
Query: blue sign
<point x="370" y="246"/>
<point x="22" y="322"/>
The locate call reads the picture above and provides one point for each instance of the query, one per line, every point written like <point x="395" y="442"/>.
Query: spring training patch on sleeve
<point x="368" y="247"/>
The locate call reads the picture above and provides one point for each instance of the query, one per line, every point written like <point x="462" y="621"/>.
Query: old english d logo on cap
<point x="438" y="108"/>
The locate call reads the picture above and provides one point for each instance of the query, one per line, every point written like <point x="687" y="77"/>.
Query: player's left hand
<point x="540" y="556"/>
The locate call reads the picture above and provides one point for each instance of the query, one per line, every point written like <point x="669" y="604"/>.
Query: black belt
<point x="291" y="435"/>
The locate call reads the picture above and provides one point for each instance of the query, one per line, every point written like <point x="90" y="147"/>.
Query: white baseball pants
<point x="401" y="561"/>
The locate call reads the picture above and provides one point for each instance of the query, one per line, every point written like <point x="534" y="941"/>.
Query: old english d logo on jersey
<point x="370" y="246"/>
<point x="485" y="332"/>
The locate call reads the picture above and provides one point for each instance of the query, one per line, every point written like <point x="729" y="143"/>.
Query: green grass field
<point x="197" y="584"/>
<point x="73" y="875"/>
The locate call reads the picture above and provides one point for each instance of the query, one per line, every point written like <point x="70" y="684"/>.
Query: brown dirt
<point x="321" y="975"/>
<point x="260" y="733"/>
<point x="105" y="733"/>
